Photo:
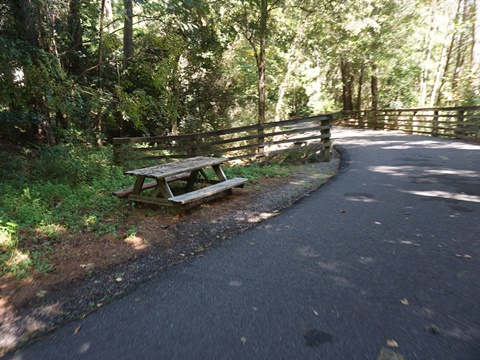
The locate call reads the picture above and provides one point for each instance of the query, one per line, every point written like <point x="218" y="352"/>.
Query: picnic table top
<point x="177" y="167"/>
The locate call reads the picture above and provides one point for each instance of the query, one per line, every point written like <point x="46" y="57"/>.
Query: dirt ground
<point x="91" y="271"/>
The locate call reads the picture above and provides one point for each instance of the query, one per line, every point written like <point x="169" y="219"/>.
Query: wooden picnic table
<point x="187" y="169"/>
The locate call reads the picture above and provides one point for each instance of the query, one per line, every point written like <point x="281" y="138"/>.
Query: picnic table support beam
<point x="162" y="186"/>
<point x="192" y="180"/>
<point x="137" y="187"/>
<point x="220" y="174"/>
<point x="205" y="176"/>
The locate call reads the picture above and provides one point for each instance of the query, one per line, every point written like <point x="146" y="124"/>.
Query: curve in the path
<point x="380" y="263"/>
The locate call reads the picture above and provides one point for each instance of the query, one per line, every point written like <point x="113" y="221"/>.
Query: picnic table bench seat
<point x="208" y="191"/>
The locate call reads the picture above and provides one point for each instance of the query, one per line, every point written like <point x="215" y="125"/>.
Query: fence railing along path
<point x="450" y="122"/>
<point x="235" y="143"/>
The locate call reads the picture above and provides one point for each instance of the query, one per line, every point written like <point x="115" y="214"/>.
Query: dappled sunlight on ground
<point x="255" y="218"/>
<point x="445" y="195"/>
<point x="136" y="242"/>
<point x="389" y="140"/>
<point x="434" y="144"/>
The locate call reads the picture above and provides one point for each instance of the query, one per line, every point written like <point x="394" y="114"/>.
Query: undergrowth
<point x="49" y="192"/>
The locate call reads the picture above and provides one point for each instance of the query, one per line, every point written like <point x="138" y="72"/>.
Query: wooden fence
<point x="453" y="122"/>
<point x="235" y="143"/>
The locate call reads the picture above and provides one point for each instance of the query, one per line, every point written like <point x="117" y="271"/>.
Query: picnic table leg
<point x="220" y="174"/>
<point x="162" y="186"/>
<point x="137" y="187"/>
<point x="192" y="180"/>
<point x="205" y="176"/>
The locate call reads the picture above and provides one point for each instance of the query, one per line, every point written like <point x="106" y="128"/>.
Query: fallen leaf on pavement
<point x="432" y="328"/>
<point x="392" y="343"/>
<point x="404" y="301"/>
<point x="77" y="329"/>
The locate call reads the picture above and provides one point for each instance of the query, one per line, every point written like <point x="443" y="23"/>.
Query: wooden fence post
<point x="261" y="141"/>
<point x="326" y="141"/>
<point x="371" y="116"/>
<point x="435" y="123"/>
<point x="460" y="119"/>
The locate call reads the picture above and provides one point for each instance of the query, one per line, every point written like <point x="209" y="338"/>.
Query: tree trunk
<point x="128" y="33"/>
<point x="444" y="59"/>
<point x="457" y="70"/>
<point x="449" y="55"/>
<point x="475" y="57"/>
<point x="347" y="85"/>
<point x="475" y="62"/>
<point x="445" y="71"/>
<point x="374" y="87"/>
<point x="292" y="61"/>
<point x="176" y="97"/>
<point x="75" y="63"/>
<point x="109" y="14"/>
<point x="428" y="54"/>
<point x="261" y="64"/>
<point x="25" y="12"/>
<point x="98" y="124"/>
<point x="358" y="104"/>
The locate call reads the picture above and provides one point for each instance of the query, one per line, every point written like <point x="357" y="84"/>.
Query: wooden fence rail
<point x="234" y="143"/>
<point x="453" y="122"/>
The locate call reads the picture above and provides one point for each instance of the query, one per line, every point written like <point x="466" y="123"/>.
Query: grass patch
<point x="254" y="172"/>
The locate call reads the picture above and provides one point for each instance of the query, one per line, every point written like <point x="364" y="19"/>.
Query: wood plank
<point x="208" y="191"/>
<point x="164" y="188"/>
<point x="208" y="134"/>
<point x="125" y="192"/>
<point x="219" y="142"/>
<point x="174" y="168"/>
<point x="150" y="200"/>
<point x="219" y="172"/>
<point x="225" y="151"/>
<point x="151" y="184"/>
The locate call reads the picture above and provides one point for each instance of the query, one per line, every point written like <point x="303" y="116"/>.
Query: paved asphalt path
<point x="324" y="279"/>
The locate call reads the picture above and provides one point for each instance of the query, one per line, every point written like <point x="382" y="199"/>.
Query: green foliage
<point x="61" y="185"/>
<point x="16" y="261"/>
<point x="195" y="63"/>
<point x="54" y="190"/>
<point x="253" y="172"/>
<point x="297" y="155"/>
<point x="297" y="102"/>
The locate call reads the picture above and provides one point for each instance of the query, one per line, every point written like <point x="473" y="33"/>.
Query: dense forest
<point x="87" y="71"/>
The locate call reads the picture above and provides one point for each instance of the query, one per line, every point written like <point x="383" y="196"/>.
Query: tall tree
<point x="127" y="33"/>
